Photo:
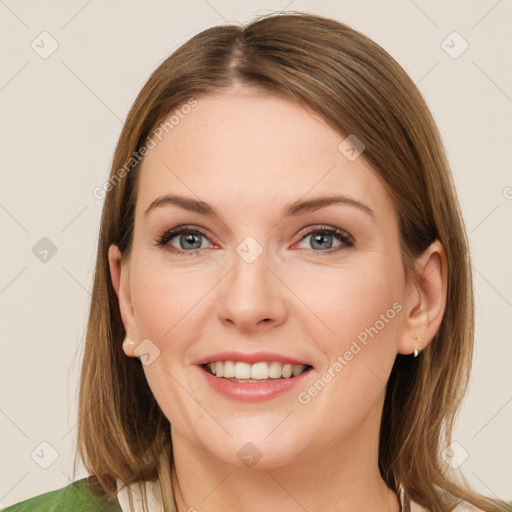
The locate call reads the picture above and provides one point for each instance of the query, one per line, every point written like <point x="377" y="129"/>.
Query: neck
<point x="344" y="477"/>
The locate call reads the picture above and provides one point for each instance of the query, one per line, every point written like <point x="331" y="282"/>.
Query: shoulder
<point x="78" y="495"/>
<point x="415" y="507"/>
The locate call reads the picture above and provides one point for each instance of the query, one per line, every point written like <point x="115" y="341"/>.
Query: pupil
<point x="192" y="239"/>
<point x="322" y="238"/>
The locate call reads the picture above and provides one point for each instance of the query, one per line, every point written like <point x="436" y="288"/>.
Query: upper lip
<point x="255" y="357"/>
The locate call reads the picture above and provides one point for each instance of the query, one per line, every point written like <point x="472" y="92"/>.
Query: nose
<point x="252" y="298"/>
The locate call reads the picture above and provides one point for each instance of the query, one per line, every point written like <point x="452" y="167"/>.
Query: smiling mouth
<point x="259" y="372"/>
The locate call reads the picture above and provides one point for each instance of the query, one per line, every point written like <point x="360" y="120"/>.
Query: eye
<point x="187" y="241"/>
<point x="323" y="239"/>
<point x="183" y="241"/>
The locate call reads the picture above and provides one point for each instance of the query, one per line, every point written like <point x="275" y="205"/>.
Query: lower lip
<point x="252" y="391"/>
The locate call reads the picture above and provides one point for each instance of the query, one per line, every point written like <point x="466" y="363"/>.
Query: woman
<point x="282" y="311"/>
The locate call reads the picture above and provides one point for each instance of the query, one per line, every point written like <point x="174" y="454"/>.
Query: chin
<point x="255" y="448"/>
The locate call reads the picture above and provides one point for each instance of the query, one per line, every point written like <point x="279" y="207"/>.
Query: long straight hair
<point x="358" y="88"/>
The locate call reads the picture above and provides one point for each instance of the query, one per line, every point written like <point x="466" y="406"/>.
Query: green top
<point x="77" y="496"/>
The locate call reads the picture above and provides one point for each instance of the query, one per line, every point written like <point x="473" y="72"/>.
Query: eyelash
<point x="166" y="237"/>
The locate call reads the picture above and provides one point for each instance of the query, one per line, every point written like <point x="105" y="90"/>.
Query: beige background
<point x="60" y="119"/>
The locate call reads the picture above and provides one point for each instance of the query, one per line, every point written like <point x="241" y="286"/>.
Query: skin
<point x="248" y="155"/>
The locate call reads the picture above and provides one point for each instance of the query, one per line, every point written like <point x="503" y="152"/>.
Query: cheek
<point x="354" y="302"/>
<point x="361" y="305"/>
<point x="155" y="303"/>
<point x="169" y="303"/>
<point x="362" y="309"/>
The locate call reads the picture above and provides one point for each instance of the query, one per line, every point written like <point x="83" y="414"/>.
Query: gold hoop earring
<point x="416" y="349"/>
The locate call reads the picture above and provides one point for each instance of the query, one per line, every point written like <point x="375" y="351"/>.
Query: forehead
<point x="245" y="149"/>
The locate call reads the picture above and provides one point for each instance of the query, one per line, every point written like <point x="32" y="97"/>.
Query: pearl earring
<point x="128" y="342"/>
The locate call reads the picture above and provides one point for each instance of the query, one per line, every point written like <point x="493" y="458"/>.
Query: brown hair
<point x="359" y="89"/>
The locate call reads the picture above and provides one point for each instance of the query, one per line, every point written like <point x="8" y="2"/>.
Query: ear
<point x="121" y="282"/>
<point x="425" y="301"/>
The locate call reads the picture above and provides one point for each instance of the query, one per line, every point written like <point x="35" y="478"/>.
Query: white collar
<point x="153" y="495"/>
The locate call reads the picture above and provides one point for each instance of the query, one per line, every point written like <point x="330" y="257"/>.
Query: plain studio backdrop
<point x="69" y="73"/>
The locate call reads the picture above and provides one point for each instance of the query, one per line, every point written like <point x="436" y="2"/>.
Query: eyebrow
<point x="294" y="209"/>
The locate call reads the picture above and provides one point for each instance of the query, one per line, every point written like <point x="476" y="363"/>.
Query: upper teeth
<point x="258" y="371"/>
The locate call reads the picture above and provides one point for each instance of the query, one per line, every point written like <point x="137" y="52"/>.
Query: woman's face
<point x="263" y="280"/>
